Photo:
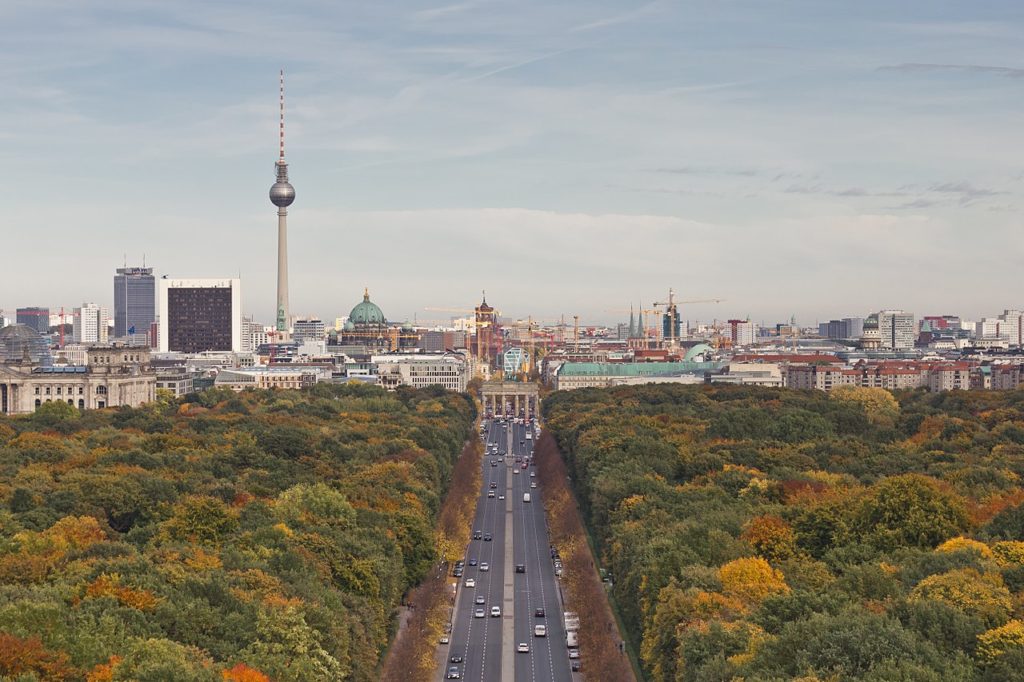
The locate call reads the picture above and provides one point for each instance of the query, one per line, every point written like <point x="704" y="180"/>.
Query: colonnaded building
<point x="112" y="376"/>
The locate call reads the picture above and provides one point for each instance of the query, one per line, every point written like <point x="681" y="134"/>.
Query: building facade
<point x="198" y="315"/>
<point x="896" y="329"/>
<point x="36" y="318"/>
<point x="134" y="301"/>
<point x="311" y="329"/>
<point x="91" y="323"/>
<point x="114" y="376"/>
<point x="448" y="370"/>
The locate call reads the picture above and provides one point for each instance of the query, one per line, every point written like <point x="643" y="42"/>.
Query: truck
<point x="571" y="620"/>
<point x="571" y="640"/>
<point x="526" y="497"/>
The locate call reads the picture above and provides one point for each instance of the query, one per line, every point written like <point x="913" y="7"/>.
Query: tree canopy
<point x="251" y="537"/>
<point x="770" y="534"/>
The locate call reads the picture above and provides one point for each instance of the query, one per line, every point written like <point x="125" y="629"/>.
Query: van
<point x="571" y="641"/>
<point x="526" y="497"/>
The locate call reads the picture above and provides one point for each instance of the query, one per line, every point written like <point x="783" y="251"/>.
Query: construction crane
<point x="671" y="311"/>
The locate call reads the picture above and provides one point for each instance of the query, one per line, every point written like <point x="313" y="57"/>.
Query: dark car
<point x="457" y="572"/>
<point x="539" y="613"/>
<point x="476" y="535"/>
<point x="520" y="568"/>
<point x="472" y="562"/>
<point x="576" y="666"/>
<point x="487" y="537"/>
<point x="456" y="659"/>
<point x="493" y="485"/>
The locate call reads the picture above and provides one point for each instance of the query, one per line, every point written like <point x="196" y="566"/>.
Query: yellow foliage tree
<point x="961" y="543"/>
<point x="878" y="403"/>
<point x="1009" y="553"/>
<point x="980" y="594"/>
<point x="751" y="579"/>
<point x="997" y="641"/>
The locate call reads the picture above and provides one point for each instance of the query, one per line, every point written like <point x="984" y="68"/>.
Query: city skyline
<point x="567" y="158"/>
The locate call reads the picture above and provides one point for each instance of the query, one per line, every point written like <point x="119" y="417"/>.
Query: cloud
<point x="911" y="67"/>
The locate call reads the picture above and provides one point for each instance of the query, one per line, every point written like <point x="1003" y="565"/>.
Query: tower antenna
<point x="282" y="114"/>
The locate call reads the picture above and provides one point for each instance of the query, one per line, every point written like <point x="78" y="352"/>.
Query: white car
<point x="515" y="471"/>
<point x="533" y="484"/>
<point x="479" y="613"/>
<point x="501" y="497"/>
<point x="495" y="612"/>
<point x="523" y="648"/>
<point x="540" y="631"/>
<point x="484" y="566"/>
<point x="574" y="653"/>
<point x="533" y="474"/>
<point x="470" y="582"/>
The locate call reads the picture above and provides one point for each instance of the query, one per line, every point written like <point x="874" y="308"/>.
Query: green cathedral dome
<point x="366" y="313"/>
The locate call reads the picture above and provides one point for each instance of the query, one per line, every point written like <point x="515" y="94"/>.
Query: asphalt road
<point x="487" y="655"/>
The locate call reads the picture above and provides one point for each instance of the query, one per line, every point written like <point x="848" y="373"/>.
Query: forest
<point x="243" y="537"/>
<point x="773" y="534"/>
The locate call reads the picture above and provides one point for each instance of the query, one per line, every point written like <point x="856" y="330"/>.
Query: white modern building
<point x="198" y="315"/>
<point x="897" y="329"/>
<point x="90" y="324"/>
<point x="449" y="370"/>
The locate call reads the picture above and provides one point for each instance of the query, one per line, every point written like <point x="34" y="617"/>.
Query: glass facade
<point x="199" y="319"/>
<point x="134" y="301"/>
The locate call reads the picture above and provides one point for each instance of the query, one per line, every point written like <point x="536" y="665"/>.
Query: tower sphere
<point x="282" y="194"/>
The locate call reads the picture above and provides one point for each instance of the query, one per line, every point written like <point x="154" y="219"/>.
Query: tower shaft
<point x="282" y="269"/>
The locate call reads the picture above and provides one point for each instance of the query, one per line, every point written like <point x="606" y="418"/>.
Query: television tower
<point x="282" y="194"/>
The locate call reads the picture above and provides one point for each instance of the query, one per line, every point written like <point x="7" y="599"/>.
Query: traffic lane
<point x="550" y="659"/>
<point x="552" y="648"/>
<point x="527" y="664"/>
<point x="469" y="638"/>
<point x="488" y="637"/>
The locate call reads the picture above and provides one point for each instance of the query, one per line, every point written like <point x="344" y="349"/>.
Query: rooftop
<point x="635" y="369"/>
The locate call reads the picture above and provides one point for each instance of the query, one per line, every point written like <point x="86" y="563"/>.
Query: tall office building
<point x="282" y="194"/>
<point x="311" y="329"/>
<point x="91" y="323"/>
<point x="37" y="318"/>
<point x="198" y="315"/>
<point x="897" y="329"/>
<point x="134" y="301"/>
<point x="743" y="332"/>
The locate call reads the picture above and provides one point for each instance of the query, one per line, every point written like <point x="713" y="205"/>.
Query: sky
<point x="816" y="158"/>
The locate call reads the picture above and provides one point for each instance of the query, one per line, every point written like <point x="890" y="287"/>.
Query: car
<point x="574" y="653"/>
<point x="501" y="497"/>
<point x="533" y="484"/>
<point x="540" y="631"/>
<point x="558" y="572"/>
<point x="523" y="648"/>
<point x="495" y="612"/>
<point x="520" y="568"/>
<point x="484" y="566"/>
<point x="490" y="494"/>
<point x="443" y="640"/>
<point x="457" y="573"/>
<point x="494" y="462"/>
<point x="476" y="535"/>
<point x="460" y="563"/>
<point x="456" y="659"/>
<point x="470" y="582"/>
<point x="515" y="471"/>
<point x="479" y="613"/>
<point x="575" y="665"/>
<point x="487" y="537"/>
<point x="472" y="562"/>
<point x="494" y="485"/>
<point x="539" y="613"/>
<point x="479" y="599"/>
<point x="533" y="474"/>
